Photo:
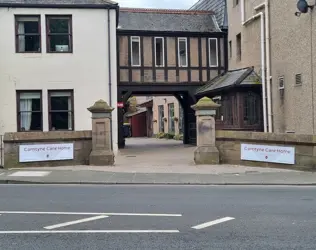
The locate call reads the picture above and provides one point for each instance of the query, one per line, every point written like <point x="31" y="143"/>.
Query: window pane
<point x="180" y="119"/>
<point x="59" y="43"/>
<point x="161" y="116"/>
<point x="28" y="39"/>
<point x="59" y="25"/>
<point x="27" y="25"/>
<point x="30" y="111"/>
<point x="30" y="95"/>
<point x="29" y="43"/>
<point x="183" y="52"/>
<point x="60" y="103"/>
<point x="61" y="120"/>
<point x="159" y="51"/>
<point x="238" y="46"/>
<point x="60" y="93"/>
<point x="213" y="52"/>
<point x="61" y="110"/>
<point x="30" y="121"/>
<point x="171" y="117"/>
<point x="31" y="104"/>
<point x="135" y="53"/>
<point x="251" y="112"/>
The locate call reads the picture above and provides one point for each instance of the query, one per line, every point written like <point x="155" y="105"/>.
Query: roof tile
<point x="218" y="6"/>
<point x="245" y="76"/>
<point x="167" y="20"/>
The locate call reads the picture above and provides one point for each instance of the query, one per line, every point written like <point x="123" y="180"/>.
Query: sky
<point x="160" y="4"/>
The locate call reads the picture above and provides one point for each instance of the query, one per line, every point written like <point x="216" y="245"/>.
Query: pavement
<point x="150" y="217"/>
<point x="158" y="161"/>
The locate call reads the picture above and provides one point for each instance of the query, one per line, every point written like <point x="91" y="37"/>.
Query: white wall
<point x="85" y="70"/>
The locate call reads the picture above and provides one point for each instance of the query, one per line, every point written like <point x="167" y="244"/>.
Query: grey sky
<point x="161" y="4"/>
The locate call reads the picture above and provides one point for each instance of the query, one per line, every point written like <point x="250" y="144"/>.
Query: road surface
<point x="157" y="217"/>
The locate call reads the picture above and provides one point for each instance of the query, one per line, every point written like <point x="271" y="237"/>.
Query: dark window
<point x="135" y="44"/>
<point x="213" y="52"/>
<point x="159" y="51"/>
<point x="59" y="34"/>
<point x="28" y="34"/>
<point x="161" y="114"/>
<point x="29" y="106"/>
<point x="61" y="111"/>
<point x="230" y="110"/>
<point x="171" y="118"/>
<point x="251" y="109"/>
<point x="183" y="53"/>
<point x="230" y="49"/>
<point x="235" y="2"/>
<point x="238" y="47"/>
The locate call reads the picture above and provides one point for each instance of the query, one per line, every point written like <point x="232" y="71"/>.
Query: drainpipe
<point x="263" y="75"/>
<point x="268" y="61"/>
<point x="110" y="74"/>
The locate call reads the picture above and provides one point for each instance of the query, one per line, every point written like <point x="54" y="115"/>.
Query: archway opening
<point x="157" y="128"/>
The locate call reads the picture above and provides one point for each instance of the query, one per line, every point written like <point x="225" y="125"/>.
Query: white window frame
<point x="186" y="51"/>
<point x="138" y="38"/>
<point x="163" y="52"/>
<point x="209" y="52"/>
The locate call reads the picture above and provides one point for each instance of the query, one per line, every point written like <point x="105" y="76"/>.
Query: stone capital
<point x="205" y="103"/>
<point x="100" y="106"/>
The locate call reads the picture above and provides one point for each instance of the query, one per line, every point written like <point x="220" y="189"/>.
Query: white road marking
<point x="212" y="223"/>
<point x="30" y="173"/>
<point x="76" y="222"/>
<point x="79" y="213"/>
<point x="89" y="231"/>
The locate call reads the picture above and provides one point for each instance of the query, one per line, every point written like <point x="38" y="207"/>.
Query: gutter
<point x="59" y="6"/>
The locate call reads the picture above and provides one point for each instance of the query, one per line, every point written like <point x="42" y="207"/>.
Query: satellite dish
<point x="303" y="6"/>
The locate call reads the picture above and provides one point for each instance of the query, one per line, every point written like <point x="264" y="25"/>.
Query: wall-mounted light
<point x="303" y="7"/>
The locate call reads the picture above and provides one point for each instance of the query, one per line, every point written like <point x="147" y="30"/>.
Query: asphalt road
<point x="49" y="217"/>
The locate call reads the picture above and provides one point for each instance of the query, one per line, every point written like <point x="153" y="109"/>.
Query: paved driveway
<point x="155" y="152"/>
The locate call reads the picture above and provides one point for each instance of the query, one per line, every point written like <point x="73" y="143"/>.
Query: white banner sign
<point x="264" y="153"/>
<point x="46" y="152"/>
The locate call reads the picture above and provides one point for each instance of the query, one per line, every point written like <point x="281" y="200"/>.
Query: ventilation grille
<point x="298" y="79"/>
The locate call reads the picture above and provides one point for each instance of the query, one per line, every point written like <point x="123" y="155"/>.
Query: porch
<point x="239" y="93"/>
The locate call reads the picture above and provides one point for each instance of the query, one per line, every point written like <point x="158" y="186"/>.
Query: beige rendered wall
<point x="293" y="52"/>
<point x="85" y="71"/>
<point x="250" y="36"/>
<point x="165" y="100"/>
